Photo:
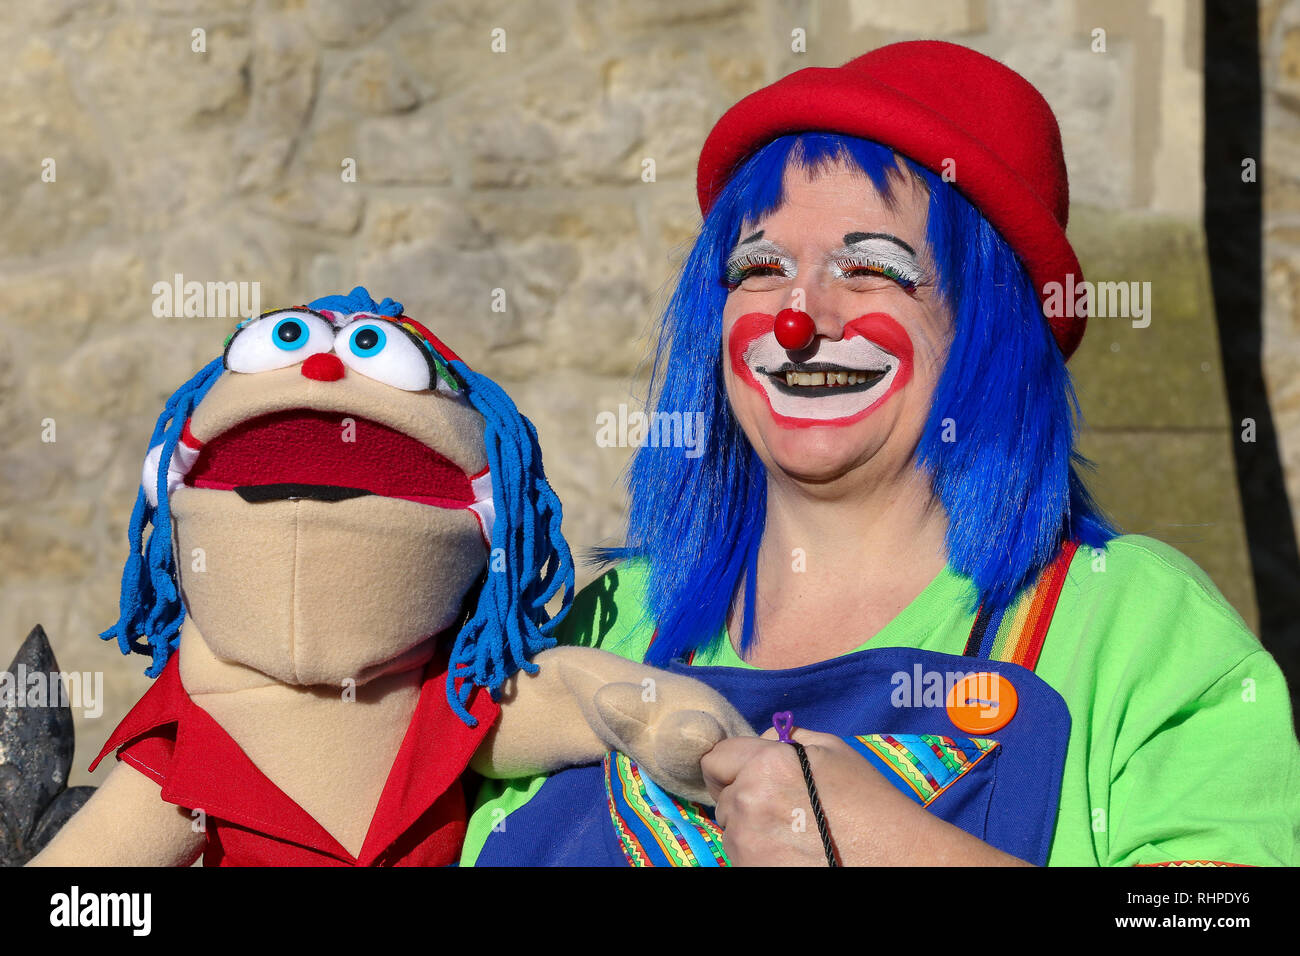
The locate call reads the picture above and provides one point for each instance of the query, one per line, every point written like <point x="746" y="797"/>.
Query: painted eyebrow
<point x="853" y="238"/>
<point x="762" y="246"/>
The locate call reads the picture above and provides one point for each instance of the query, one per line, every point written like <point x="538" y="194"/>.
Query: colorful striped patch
<point x="923" y="765"/>
<point x="654" y="828"/>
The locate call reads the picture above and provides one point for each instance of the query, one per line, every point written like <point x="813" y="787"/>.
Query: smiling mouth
<point x="813" y="379"/>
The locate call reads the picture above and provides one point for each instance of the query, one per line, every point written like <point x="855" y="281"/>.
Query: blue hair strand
<point x="150" y="611"/>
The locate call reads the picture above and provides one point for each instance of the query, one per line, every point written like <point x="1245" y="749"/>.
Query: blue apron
<point x="890" y="704"/>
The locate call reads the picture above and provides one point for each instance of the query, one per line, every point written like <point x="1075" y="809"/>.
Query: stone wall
<point x="514" y="161"/>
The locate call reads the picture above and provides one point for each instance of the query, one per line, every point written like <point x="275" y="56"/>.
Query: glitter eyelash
<point x="851" y="267"/>
<point x="742" y="267"/>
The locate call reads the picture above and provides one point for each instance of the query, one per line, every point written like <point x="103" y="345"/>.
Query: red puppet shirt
<point x="420" y="819"/>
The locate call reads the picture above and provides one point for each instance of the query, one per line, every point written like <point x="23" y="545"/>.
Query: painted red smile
<point x="878" y="365"/>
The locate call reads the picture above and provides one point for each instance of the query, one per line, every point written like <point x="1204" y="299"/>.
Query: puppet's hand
<point x="584" y="702"/>
<point x="667" y="724"/>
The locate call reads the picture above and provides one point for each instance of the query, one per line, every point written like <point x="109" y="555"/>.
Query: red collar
<point x="209" y="770"/>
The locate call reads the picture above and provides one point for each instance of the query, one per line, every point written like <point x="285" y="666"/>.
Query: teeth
<point x="828" y="378"/>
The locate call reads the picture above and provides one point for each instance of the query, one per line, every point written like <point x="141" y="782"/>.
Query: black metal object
<point x="36" y="746"/>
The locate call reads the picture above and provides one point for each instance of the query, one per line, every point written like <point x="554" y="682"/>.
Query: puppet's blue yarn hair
<point x="1010" y="485"/>
<point x="358" y="300"/>
<point x="529" y="563"/>
<point x="507" y="620"/>
<point x="150" y="611"/>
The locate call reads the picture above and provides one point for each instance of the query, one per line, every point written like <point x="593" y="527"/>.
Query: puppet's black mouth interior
<point x="291" y="491"/>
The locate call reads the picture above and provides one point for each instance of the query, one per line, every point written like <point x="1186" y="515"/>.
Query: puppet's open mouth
<point x="327" y="456"/>
<point x="295" y="491"/>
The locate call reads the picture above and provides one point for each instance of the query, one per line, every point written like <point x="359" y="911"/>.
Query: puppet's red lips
<point x="304" y="448"/>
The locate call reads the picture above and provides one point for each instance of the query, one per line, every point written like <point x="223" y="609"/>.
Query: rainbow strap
<point x="1015" y="633"/>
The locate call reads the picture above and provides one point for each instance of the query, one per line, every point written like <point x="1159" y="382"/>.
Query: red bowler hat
<point x="949" y="109"/>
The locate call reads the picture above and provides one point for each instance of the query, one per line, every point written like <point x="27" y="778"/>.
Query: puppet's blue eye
<point x="277" y="340"/>
<point x="367" y="341"/>
<point x="289" y="334"/>
<point x="384" y="352"/>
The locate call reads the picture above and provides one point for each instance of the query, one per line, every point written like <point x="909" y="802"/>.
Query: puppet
<point x="344" y="600"/>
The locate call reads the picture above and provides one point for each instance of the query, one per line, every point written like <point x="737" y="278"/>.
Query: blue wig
<point x="506" y="621"/>
<point x="529" y="564"/>
<point x="1010" y="487"/>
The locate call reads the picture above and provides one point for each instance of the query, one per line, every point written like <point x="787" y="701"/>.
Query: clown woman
<point x="887" y="542"/>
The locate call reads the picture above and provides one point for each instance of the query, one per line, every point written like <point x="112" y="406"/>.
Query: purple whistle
<point x="783" y="721"/>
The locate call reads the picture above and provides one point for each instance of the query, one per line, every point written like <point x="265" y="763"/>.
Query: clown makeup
<point x="848" y="378"/>
<point x="867" y="254"/>
<point x="864" y="255"/>
<point x="756" y="258"/>
<point x="856" y="398"/>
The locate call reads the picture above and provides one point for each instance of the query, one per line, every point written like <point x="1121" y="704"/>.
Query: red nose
<point x="323" y="366"/>
<point x="794" y="330"/>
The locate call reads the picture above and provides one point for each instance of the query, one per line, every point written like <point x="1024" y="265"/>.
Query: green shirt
<point x="1181" y="743"/>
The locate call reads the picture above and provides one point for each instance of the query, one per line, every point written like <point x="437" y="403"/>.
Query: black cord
<point x="823" y="829"/>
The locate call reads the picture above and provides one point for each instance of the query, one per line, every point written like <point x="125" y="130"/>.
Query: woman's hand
<point x="762" y="805"/>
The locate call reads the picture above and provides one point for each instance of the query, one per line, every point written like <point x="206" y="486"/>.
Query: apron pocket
<point x="654" y="828"/>
<point x="953" y="777"/>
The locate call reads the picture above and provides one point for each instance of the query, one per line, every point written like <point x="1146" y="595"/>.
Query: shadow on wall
<point x="1234" y="238"/>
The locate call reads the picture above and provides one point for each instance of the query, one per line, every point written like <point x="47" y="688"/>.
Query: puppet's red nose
<point x="794" y="329"/>
<point x="323" y="366"/>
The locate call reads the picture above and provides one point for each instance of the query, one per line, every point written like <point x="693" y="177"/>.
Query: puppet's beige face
<point x="853" y="404"/>
<point x="326" y="526"/>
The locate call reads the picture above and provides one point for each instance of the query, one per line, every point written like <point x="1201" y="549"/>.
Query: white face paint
<point x="837" y="382"/>
<point x="759" y="258"/>
<point x="877" y="255"/>
<point x="843" y="379"/>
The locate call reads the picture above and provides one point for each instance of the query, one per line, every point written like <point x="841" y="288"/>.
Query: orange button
<point x="982" y="703"/>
